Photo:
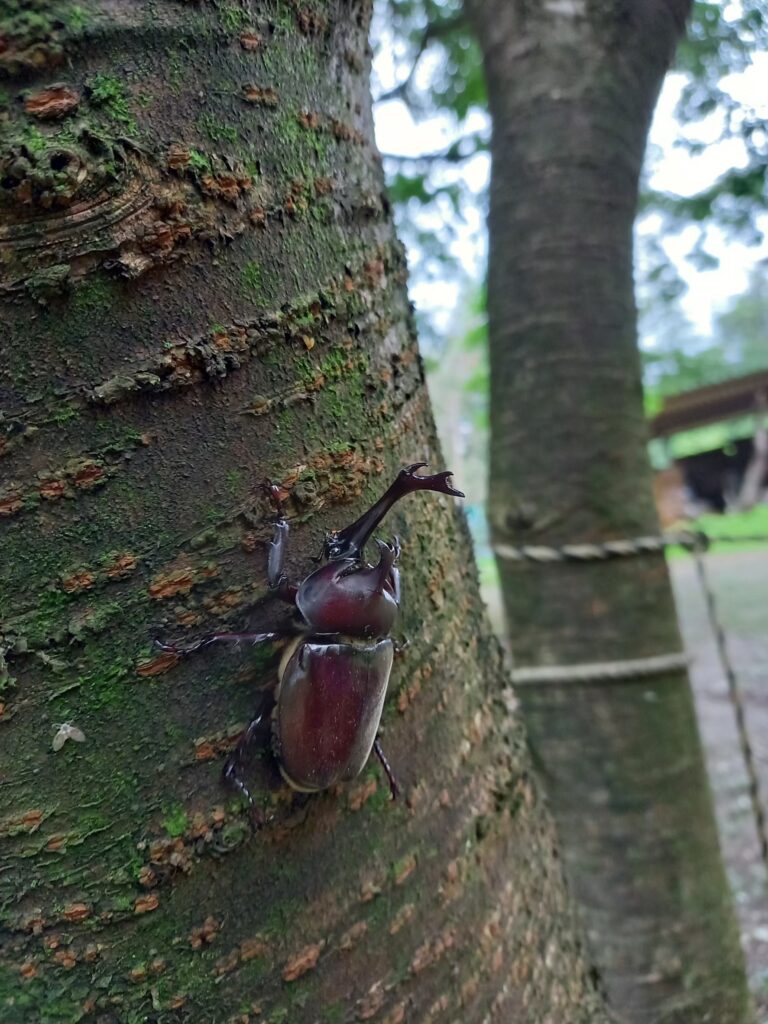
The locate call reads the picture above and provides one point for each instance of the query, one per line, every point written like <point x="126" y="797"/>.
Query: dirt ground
<point x="740" y="583"/>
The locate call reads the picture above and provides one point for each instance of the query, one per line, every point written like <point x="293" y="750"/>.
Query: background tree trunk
<point x="200" y="291"/>
<point x="572" y="86"/>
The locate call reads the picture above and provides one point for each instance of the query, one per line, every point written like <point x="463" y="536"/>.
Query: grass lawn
<point x="733" y="524"/>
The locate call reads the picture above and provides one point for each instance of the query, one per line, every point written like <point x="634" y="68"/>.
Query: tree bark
<point x="572" y="86"/>
<point x="201" y="291"/>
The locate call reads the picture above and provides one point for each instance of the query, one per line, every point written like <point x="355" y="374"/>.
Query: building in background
<point x="710" y="448"/>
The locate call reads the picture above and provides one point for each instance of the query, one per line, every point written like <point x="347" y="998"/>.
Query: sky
<point x="670" y="168"/>
<point x="674" y="170"/>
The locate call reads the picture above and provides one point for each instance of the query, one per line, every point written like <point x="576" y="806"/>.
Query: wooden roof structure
<point x="712" y="404"/>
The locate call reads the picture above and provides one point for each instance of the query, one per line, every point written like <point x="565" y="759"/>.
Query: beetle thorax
<point x="348" y="597"/>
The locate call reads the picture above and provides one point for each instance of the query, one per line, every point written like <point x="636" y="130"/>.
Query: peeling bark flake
<point x="304" y="961"/>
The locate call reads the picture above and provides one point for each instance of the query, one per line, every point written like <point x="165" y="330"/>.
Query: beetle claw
<point x="276" y="492"/>
<point x="182" y="650"/>
<point x="179" y="650"/>
<point x="257" y="818"/>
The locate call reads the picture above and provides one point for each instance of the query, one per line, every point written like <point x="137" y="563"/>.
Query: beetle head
<point x="333" y="549"/>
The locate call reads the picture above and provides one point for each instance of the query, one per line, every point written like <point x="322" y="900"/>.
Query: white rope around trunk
<point x="600" y="671"/>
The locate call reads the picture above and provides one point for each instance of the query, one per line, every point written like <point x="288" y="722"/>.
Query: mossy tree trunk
<point x="572" y="86"/>
<point x="201" y="291"/>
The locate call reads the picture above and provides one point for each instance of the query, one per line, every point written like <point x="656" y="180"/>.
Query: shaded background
<point x="701" y="269"/>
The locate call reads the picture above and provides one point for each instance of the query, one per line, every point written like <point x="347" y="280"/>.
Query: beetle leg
<point x="240" y="758"/>
<point x="276" y="562"/>
<point x="394" y="789"/>
<point x="277" y="548"/>
<point x="214" y="638"/>
<point x="394" y="582"/>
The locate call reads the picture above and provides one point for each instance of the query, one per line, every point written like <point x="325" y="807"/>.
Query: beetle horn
<point x="387" y="556"/>
<point x="349" y="542"/>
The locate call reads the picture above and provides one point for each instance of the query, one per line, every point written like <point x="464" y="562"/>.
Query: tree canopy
<point x="433" y="66"/>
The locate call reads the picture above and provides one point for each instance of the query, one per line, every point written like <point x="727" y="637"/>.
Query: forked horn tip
<point x="447" y="476"/>
<point x="411" y="470"/>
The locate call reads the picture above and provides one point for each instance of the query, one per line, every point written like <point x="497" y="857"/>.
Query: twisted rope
<point x="600" y="551"/>
<point x="600" y="671"/>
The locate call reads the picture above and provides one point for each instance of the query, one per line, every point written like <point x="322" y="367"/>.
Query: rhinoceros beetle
<point x="326" y="706"/>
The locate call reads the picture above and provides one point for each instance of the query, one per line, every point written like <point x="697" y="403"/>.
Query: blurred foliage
<point x="678" y="360"/>
<point x="461" y="409"/>
<point x="437" y="71"/>
<point x="722" y="40"/>
<point x="455" y="81"/>
<point x="744" y="326"/>
<point x="440" y="73"/>
<point x="750" y="523"/>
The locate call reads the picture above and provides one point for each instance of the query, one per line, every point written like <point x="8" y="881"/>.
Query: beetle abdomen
<point x="328" y="710"/>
